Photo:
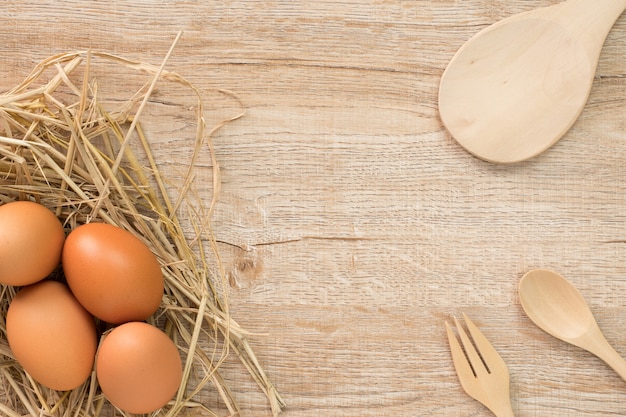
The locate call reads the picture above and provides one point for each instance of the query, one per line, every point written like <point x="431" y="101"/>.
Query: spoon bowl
<point x="516" y="87"/>
<point x="559" y="309"/>
<point x="554" y="305"/>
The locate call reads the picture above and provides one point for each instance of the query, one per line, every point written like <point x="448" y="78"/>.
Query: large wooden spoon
<point x="557" y="307"/>
<point x="516" y="87"/>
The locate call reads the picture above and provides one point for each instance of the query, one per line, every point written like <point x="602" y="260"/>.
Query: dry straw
<point x="60" y="146"/>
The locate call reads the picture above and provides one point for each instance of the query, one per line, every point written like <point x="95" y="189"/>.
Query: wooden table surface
<point x="350" y="223"/>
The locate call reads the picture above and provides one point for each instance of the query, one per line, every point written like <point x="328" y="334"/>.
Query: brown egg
<point x="138" y="367"/>
<point x="112" y="273"/>
<point x="31" y="240"/>
<point x="51" y="335"/>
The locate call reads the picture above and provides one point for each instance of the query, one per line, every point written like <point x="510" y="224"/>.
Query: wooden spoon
<point x="557" y="307"/>
<point x="516" y="87"/>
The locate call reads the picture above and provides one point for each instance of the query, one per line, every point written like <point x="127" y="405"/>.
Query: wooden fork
<point x="482" y="372"/>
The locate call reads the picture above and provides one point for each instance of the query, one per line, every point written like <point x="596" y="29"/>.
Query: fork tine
<point x="472" y="355"/>
<point x="463" y="368"/>
<point x="489" y="354"/>
<point x="482" y="373"/>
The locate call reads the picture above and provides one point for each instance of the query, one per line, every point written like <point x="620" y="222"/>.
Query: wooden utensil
<point x="557" y="307"/>
<point x="516" y="87"/>
<point x="481" y="371"/>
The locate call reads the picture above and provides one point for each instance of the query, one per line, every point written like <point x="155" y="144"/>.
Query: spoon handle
<point x="610" y="9"/>
<point x="603" y="350"/>
<point x="615" y="361"/>
<point x="592" y="14"/>
<point x="593" y="18"/>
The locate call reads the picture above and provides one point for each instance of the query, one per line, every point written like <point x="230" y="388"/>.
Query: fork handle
<point x="503" y="408"/>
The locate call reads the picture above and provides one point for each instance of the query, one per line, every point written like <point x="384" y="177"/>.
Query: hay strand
<point x="61" y="146"/>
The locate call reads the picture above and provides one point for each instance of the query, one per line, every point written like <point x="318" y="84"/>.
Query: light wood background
<point x="351" y="224"/>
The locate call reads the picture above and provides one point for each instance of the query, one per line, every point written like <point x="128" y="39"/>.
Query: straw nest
<point x="62" y="147"/>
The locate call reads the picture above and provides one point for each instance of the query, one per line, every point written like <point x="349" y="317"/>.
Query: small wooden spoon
<point x="557" y="307"/>
<point x="516" y="87"/>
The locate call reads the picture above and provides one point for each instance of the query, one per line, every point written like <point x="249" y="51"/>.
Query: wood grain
<point x="351" y="224"/>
